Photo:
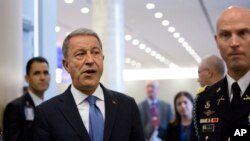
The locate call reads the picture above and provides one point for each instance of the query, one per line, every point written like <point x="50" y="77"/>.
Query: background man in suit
<point x="67" y="117"/>
<point x="154" y="112"/>
<point x="210" y="70"/>
<point x="225" y="106"/>
<point x="19" y="114"/>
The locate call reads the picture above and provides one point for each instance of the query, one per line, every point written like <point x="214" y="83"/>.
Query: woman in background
<point x="181" y="128"/>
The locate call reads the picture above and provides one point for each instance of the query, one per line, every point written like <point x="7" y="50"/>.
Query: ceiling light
<point x="181" y="40"/>
<point x="165" y="23"/>
<point x="171" y="29"/>
<point x="133" y="62"/>
<point x="158" y="15"/>
<point x="68" y="1"/>
<point x="128" y="60"/>
<point x="142" y="46"/>
<point x="162" y="59"/>
<point x="185" y="44"/>
<point x="148" y="50"/>
<point x="176" y="35"/>
<point x="85" y="10"/>
<point x="135" y="42"/>
<point x="158" y="56"/>
<point x="128" y="37"/>
<point x="150" y="6"/>
<point x="153" y="53"/>
<point x="57" y="29"/>
<point x="138" y="65"/>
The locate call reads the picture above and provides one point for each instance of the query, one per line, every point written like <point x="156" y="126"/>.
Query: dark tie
<point x="96" y="122"/>
<point x="154" y="115"/>
<point x="236" y="96"/>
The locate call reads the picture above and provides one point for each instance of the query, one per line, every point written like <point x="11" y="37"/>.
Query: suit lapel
<point x="220" y="100"/>
<point x="69" y="110"/>
<point x="29" y="100"/>
<point x="111" y="104"/>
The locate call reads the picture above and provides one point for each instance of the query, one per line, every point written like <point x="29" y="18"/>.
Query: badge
<point x="208" y="112"/>
<point x="29" y="113"/>
<point x="209" y="120"/>
<point x="220" y="99"/>
<point x="207" y="105"/>
<point x="208" y="128"/>
<point x="246" y="98"/>
<point x="218" y="90"/>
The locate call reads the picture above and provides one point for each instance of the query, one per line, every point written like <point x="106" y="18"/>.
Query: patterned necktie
<point x="236" y="96"/>
<point x="154" y="115"/>
<point x="96" y="122"/>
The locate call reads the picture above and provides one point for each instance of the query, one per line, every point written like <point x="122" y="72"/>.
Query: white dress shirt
<point x="243" y="83"/>
<point x="83" y="104"/>
<point x="37" y="100"/>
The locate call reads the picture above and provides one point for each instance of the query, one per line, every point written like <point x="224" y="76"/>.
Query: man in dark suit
<point x="153" y="121"/>
<point x="67" y="117"/>
<point x="224" y="106"/>
<point x="19" y="114"/>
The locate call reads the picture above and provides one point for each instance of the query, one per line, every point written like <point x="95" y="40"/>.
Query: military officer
<point x="221" y="109"/>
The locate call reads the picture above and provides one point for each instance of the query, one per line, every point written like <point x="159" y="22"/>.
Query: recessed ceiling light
<point x="181" y="40"/>
<point x="142" y="46"/>
<point x="165" y="23"/>
<point x="128" y="37"/>
<point x="158" y="15"/>
<point x="57" y="29"/>
<point x="176" y="35"/>
<point x="85" y="10"/>
<point x="135" y="42"/>
<point x="171" y="29"/>
<point x="153" y="53"/>
<point x="68" y="1"/>
<point x="148" y="50"/>
<point x="128" y="60"/>
<point x="150" y="6"/>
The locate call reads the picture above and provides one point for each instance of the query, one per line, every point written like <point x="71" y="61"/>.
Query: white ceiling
<point x="193" y="19"/>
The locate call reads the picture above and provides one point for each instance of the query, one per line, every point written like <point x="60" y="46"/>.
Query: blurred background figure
<point x="211" y="70"/>
<point x="154" y="113"/>
<point x="19" y="113"/>
<point x="181" y="128"/>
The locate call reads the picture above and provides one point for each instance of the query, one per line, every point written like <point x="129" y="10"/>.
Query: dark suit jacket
<point x="15" y="126"/>
<point x="165" y="116"/>
<point x="173" y="133"/>
<point x="214" y="116"/>
<point x="58" y="119"/>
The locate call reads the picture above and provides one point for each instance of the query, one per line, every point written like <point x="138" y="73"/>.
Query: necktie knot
<point x="236" y="96"/>
<point x="236" y="89"/>
<point x="92" y="100"/>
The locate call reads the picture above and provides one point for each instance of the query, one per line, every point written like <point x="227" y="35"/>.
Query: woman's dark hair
<point x="177" y="119"/>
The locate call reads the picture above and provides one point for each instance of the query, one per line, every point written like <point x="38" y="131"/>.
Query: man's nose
<point x="89" y="58"/>
<point x="234" y="41"/>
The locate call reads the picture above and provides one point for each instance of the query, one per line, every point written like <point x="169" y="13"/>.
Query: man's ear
<point x="65" y="64"/>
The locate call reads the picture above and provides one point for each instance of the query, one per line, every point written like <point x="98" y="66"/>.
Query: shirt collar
<point x="152" y="101"/>
<point x="243" y="82"/>
<point x="37" y="100"/>
<point x="79" y="96"/>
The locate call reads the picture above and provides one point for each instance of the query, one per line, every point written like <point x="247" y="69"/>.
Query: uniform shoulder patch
<point x="202" y="89"/>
